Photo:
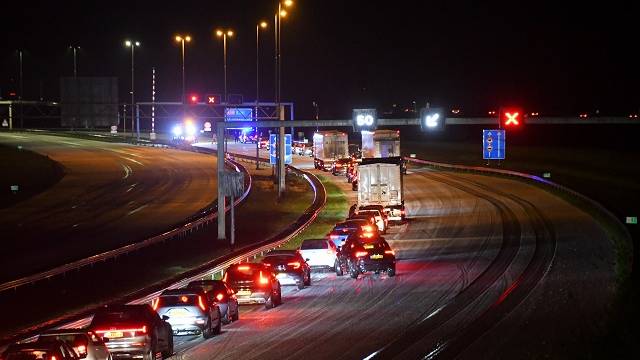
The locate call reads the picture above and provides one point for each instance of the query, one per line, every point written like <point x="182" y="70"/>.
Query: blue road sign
<point x="493" y="144"/>
<point x="287" y="149"/>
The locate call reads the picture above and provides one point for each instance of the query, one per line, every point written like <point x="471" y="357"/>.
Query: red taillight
<point x="296" y="264"/>
<point x="81" y="349"/>
<point x="390" y="252"/>
<point x="154" y="303"/>
<point x="201" y="303"/>
<point x="53" y="357"/>
<point x="361" y="253"/>
<point x="220" y="296"/>
<point x="184" y="299"/>
<point x="263" y="280"/>
<point x="367" y="228"/>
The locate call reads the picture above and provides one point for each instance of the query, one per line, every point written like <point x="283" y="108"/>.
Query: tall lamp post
<point x="132" y="45"/>
<point x="224" y="33"/>
<point x="281" y="142"/>
<point x="263" y="25"/>
<point x="182" y="39"/>
<point x="75" y="59"/>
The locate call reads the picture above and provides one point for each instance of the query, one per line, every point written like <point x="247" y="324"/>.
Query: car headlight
<point x="177" y="130"/>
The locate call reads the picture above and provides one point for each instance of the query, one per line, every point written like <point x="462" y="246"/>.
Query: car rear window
<point x="275" y="259"/>
<point x="314" y="245"/>
<point x="72" y="339"/>
<point x="241" y="273"/>
<point x="28" y="354"/>
<point x="176" y="300"/>
<point x="207" y="286"/>
<point x="110" y="317"/>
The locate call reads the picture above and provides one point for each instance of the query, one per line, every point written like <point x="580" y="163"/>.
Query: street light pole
<point x="182" y="39"/>
<point x="21" y="88"/>
<point x="281" y="138"/>
<point x="75" y="60"/>
<point x="132" y="45"/>
<point x="262" y="24"/>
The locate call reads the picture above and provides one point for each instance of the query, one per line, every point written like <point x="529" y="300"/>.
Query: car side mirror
<point x="165" y="317"/>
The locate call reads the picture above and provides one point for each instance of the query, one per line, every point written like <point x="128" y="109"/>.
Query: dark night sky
<point x="345" y="54"/>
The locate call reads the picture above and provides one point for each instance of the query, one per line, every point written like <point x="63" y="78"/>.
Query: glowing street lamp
<point x="182" y="39"/>
<point x="132" y="44"/>
<point x="224" y="33"/>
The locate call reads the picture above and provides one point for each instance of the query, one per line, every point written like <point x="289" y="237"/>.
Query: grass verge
<point x="32" y="172"/>
<point x="335" y="210"/>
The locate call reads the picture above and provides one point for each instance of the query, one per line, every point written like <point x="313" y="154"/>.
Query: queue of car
<point x="354" y="247"/>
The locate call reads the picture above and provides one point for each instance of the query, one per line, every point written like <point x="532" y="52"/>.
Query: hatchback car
<point x="133" y="331"/>
<point x="87" y="344"/>
<point x="189" y="311"/>
<point x="363" y="254"/>
<point x="40" y="350"/>
<point x="219" y="292"/>
<point x="341" y="231"/>
<point x="290" y="267"/>
<point x="319" y="253"/>
<point x="254" y="283"/>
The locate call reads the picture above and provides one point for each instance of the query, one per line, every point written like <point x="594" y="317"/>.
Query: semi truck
<point x="380" y="144"/>
<point x="380" y="183"/>
<point x="329" y="146"/>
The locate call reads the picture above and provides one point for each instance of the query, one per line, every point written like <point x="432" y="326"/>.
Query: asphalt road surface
<point x="111" y="195"/>
<point x="488" y="268"/>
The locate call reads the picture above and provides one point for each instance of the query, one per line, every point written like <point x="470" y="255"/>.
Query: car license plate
<point x="178" y="312"/>
<point x="376" y="256"/>
<point x="281" y="275"/>
<point x="243" y="293"/>
<point x="113" y="334"/>
<point x="368" y="246"/>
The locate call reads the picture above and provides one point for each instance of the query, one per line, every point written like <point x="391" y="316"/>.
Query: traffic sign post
<point x="493" y="144"/>
<point x="232" y="185"/>
<point x="273" y="153"/>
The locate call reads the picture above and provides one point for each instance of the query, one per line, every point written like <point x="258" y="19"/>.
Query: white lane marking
<point x="127" y="171"/>
<point x="124" y="152"/>
<point x="70" y="143"/>
<point x="132" y="160"/>
<point x="131" y="187"/>
<point x="136" y="209"/>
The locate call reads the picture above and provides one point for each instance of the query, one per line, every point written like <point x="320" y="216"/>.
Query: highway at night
<point x="111" y="195"/>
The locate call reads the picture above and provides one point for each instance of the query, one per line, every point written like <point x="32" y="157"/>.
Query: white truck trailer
<point x="329" y="146"/>
<point x="380" y="144"/>
<point x="380" y="183"/>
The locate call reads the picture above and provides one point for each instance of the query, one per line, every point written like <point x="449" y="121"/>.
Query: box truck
<point x="380" y="183"/>
<point x="329" y="146"/>
<point x="380" y="144"/>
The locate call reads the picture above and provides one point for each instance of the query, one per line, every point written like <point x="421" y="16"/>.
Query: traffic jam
<point x="353" y="248"/>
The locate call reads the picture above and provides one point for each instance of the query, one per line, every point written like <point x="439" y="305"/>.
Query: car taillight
<point x="201" y="303"/>
<point x="220" y="296"/>
<point x="390" y="252"/>
<point x="367" y="235"/>
<point x="154" y="303"/>
<point x="53" y="357"/>
<point x="123" y="332"/>
<point x="361" y="253"/>
<point x="295" y="265"/>
<point x="367" y="228"/>
<point x="263" y="280"/>
<point x="81" y="349"/>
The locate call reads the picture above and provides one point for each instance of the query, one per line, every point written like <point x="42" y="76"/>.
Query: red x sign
<point x="511" y="117"/>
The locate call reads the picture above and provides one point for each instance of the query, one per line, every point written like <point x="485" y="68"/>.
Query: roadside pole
<point x="221" y="200"/>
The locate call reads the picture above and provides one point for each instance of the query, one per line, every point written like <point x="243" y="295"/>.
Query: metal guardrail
<point x="194" y="222"/>
<point x="521" y="175"/>
<point x="215" y="266"/>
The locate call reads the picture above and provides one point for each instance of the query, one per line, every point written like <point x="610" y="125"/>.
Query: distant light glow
<point x="283" y="13"/>
<point x="432" y="120"/>
<point x="177" y="130"/>
<point x="219" y="32"/>
<point x="263" y="24"/>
